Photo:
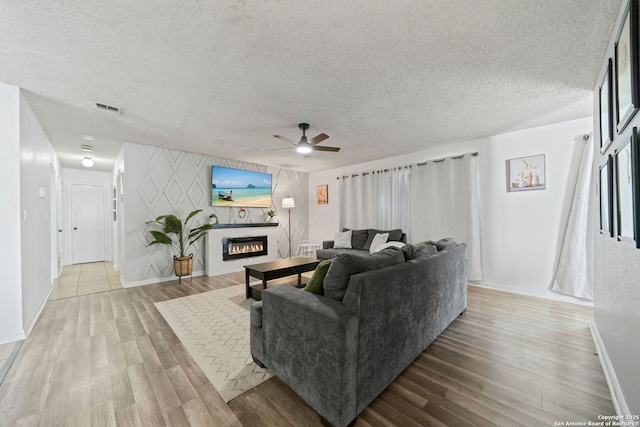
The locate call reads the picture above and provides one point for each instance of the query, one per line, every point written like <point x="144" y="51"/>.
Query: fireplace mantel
<point x="246" y="225"/>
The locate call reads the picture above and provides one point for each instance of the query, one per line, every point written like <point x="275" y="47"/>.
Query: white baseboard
<point x="156" y="280"/>
<point x="617" y="397"/>
<point x="35" y="318"/>
<point x="546" y="294"/>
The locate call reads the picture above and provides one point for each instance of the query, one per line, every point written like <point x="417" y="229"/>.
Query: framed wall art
<point x="627" y="190"/>
<point x="526" y="173"/>
<point x="626" y="67"/>
<point x="322" y="194"/>
<point x="606" y="109"/>
<point x="605" y="184"/>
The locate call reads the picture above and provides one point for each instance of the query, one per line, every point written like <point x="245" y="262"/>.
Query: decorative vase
<point x="529" y="179"/>
<point x="535" y="181"/>
<point x="522" y="183"/>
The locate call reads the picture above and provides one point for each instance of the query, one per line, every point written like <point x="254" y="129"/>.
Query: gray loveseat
<point x="360" y="242"/>
<point x="338" y="353"/>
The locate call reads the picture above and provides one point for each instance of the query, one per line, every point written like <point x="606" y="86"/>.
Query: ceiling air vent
<point x="108" y="108"/>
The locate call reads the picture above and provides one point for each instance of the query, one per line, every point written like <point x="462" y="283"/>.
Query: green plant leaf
<point x="160" y="238"/>
<point x="191" y="215"/>
<point x="172" y="224"/>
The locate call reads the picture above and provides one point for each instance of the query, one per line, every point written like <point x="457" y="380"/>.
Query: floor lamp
<point x="288" y="203"/>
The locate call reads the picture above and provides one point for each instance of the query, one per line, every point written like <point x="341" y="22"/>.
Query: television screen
<point x="236" y="187"/>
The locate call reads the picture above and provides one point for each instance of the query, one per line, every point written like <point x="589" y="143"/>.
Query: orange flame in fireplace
<point x="245" y="248"/>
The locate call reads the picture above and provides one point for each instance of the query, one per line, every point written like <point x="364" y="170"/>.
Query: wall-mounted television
<point x="241" y="188"/>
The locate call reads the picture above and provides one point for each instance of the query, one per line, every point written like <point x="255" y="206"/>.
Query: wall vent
<point x="108" y="108"/>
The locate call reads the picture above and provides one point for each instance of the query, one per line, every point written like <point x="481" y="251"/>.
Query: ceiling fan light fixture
<point x="303" y="146"/>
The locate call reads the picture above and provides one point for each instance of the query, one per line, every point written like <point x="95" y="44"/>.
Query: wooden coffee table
<point x="277" y="269"/>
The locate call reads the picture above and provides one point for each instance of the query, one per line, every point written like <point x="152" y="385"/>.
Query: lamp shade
<point x="288" y="203"/>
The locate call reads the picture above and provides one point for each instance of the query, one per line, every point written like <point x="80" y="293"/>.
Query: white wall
<point x="617" y="284"/>
<point x="521" y="233"/>
<point x="86" y="177"/>
<point x="10" y="251"/>
<point x="38" y="170"/>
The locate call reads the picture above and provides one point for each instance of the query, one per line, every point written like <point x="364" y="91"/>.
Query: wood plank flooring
<point x="110" y="359"/>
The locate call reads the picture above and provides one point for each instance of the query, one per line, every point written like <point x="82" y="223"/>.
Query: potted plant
<point x="270" y="214"/>
<point x="184" y="238"/>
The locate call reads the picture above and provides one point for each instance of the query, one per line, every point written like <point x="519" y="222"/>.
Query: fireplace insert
<point x="243" y="247"/>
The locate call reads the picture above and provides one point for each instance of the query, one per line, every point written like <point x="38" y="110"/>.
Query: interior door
<point x="87" y="223"/>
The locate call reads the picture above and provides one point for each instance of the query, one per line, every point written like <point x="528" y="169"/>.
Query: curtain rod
<point x="474" y="154"/>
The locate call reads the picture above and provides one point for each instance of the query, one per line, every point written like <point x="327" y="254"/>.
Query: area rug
<point x="214" y="328"/>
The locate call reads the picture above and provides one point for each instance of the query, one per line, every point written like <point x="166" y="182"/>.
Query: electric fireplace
<point x="243" y="247"/>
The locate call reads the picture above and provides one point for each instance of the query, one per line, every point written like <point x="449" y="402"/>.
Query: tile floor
<point x="83" y="279"/>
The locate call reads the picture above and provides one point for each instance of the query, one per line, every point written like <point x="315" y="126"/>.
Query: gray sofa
<point x="360" y="242"/>
<point x="338" y="353"/>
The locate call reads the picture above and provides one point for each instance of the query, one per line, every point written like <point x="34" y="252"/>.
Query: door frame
<point x="82" y="177"/>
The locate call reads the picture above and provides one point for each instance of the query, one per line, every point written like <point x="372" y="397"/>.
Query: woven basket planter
<point x="183" y="266"/>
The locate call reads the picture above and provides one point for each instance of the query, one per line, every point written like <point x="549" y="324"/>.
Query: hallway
<point x="84" y="279"/>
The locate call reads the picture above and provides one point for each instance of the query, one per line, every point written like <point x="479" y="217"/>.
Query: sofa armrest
<point x="311" y="344"/>
<point x="327" y="244"/>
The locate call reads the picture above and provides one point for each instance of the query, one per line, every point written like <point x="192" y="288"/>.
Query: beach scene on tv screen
<point x="236" y="187"/>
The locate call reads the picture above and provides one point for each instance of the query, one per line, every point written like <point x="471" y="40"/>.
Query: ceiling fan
<point x="306" y="146"/>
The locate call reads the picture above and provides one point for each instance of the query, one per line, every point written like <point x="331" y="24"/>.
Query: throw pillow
<point x="425" y="250"/>
<point x="344" y="265"/>
<point x="418" y="249"/>
<point x="398" y="245"/>
<point x="315" y="283"/>
<point x="445" y="243"/>
<point x="378" y="240"/>
<point x="394" y="236"/>
<point x="409" y="251"/>
<point x="342" y="240"/>
<point x="358" y="238"/>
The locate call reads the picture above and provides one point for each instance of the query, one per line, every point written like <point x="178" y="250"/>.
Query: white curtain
<point x="429" y="202"/>
<point x="443" y="203"/>
<point x="375" y="200"/>
<point x="574" y="275"/>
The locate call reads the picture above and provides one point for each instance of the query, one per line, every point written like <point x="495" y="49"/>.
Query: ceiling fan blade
<point x="283" y="149"/>
<point x="332" y="149"/>
<point x="286" y="139"/>
<point x="318" y="139"/>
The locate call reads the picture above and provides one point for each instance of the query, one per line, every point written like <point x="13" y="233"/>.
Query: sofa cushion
<point x="425" y="250"/>
<point x="445" y="243"/>
<point x="358" y="238"/>
<point x="408" y="251"/>
<point x="378" y="240"/>
<point x="413" y="251"/>
<point x="332" y="253"/>
<point x="342" y="240"/>
<point x="345" y="265"/>
<point x="255" y="316"/>
<point x="315" y="283"/>
<point x="442" y="243"/>
<point x="394" y="236"/>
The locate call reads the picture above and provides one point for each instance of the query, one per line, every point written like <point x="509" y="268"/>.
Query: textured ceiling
<point x="221" y="77"/>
